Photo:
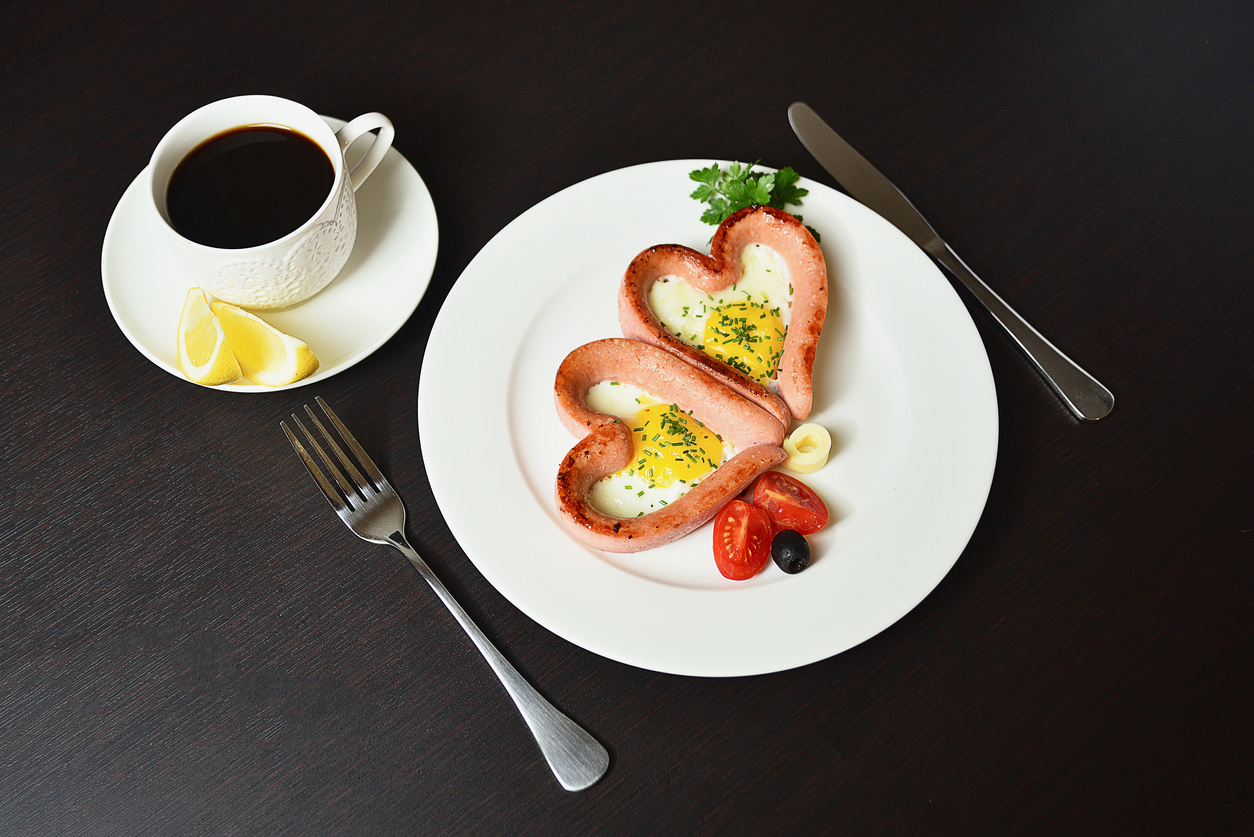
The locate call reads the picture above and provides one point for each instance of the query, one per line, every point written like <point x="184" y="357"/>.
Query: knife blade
<point x="1078" y="390"/>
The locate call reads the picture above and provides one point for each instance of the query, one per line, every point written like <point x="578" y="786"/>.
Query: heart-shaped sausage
<point x="606" y="445"/>
<point x="720" y="270"/>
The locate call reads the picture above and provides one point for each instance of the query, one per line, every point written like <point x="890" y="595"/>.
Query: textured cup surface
<point x="289" y="269"/>
<point x="266" y="277"/>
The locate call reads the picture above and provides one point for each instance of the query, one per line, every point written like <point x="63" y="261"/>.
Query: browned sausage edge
<point x="721" y="269"/>
<point x="605" y="446"/>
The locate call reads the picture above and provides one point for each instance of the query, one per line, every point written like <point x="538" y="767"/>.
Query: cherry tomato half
<point x="790" y="503"/>
<point x="742" y="540"/>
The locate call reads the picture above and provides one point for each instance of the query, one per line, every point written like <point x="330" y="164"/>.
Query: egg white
<point x="630" y="495"/>
<point x="683" y="310"/>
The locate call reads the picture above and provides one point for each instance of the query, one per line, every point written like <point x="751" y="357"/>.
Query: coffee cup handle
<point x="353" y="131"/>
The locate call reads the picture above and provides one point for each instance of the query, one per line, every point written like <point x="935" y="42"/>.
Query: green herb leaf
<point x="728" y="192"/>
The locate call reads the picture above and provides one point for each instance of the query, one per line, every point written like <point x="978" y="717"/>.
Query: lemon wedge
<point x="266" y="355"/>
<point x="204" y="355"/>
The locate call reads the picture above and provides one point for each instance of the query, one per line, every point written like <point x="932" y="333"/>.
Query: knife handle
<point x="1079" y="390"/>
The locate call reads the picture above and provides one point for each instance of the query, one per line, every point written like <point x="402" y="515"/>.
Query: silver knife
<point x="1079" y="390"/>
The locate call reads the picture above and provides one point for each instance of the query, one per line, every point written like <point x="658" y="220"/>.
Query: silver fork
<point x="374" y="512"/>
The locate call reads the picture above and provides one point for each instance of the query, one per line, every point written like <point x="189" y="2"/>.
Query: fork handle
<point x="575" y="757"/>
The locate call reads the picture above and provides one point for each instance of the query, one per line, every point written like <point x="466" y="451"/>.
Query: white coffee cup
<point x="296" y="266"/>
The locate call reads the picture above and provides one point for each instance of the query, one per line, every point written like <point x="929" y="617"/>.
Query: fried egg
<point x="744" y="325"/>
<point x="672" y="452"/>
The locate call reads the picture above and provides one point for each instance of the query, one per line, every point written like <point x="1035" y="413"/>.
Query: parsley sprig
<point x="732" y="190"/>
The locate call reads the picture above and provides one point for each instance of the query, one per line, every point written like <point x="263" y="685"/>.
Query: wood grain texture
<point x="191" y="643"/>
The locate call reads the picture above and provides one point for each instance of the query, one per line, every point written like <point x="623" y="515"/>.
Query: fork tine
<point x="374" y="512"/>
<point x="352" y="492"/>
<point x="328" y="490"/>
<point x="358" y="451"/>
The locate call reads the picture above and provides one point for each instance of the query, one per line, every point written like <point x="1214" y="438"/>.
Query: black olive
<point x="790" y="551"/>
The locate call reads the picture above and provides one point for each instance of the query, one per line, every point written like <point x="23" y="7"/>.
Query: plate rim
<point x="441" y="490"/>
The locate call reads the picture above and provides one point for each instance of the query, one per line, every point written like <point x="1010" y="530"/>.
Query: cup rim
<point x="333" y="152"/>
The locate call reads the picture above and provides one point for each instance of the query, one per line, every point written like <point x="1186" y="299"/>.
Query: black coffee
<point x="248" y="186"/>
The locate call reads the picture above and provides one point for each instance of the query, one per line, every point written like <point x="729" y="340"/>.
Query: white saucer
<point x="374" y="295"/>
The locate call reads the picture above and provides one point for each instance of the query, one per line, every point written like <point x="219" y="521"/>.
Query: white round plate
<point x="901" y="381"/>
<point x="376" y="292"/>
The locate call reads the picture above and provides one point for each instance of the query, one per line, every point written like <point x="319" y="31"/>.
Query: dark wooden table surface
<point x="191" y="643"/>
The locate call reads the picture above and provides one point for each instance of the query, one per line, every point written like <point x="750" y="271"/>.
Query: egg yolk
<point x="671" y="446"/>
<point x="747" y="336"/>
